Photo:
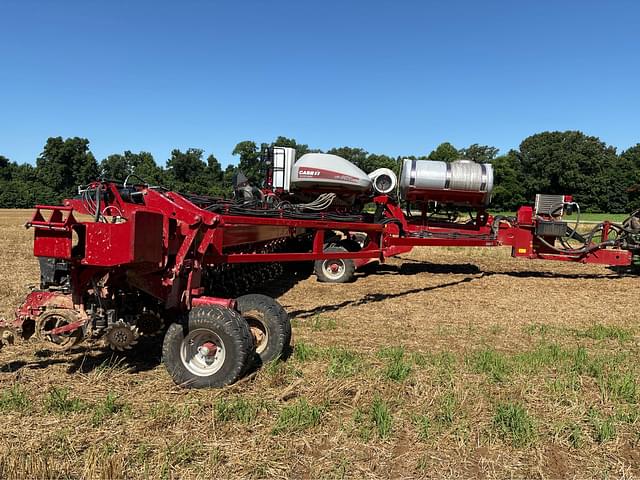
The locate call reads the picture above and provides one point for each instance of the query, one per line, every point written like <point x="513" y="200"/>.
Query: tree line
<point x="570" y="162"/>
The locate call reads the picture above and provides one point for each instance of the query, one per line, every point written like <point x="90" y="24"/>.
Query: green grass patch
<point x="441" y="360"/>
<point x="619" y="386"/>
<point x="579" y="362"/>
<point x="575" y="435"/>
<point x="342" y="362"/>
<point x="512" y="421"/>
<point x="601" y="365"/>
<point x="303" y="352"/>
<point x="564" y="384"/>
<point x="397" y="368"/>
<point x="606" y="332"/>
<point x="604" y="428"/>
<point x="59" y="401"/>
<point x="381" y="417"/>
<point x="541" y="329"/>
<point x="447" y="409"/>
<point x="297" y="417"/>
<point x="105" y="409"/>
<point x="629" y="415"/>
<point x="237" y="409"/>
<point x="544" y="355"/>
<point x="376" y="420"/>
<point x="281" y="373"/>
<point x="14" y="399"/>
<point x="169" y="412"/>
<point x="362" y="424"/>
<point x="492" y="363"/>
<point x="572" y="433"/>
<point x="424" y="425"/>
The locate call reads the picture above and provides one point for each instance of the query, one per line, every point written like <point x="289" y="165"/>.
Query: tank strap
<point x="412" y="176"/>
<point x="483" y="185"/>
<point x="447" y="181"/>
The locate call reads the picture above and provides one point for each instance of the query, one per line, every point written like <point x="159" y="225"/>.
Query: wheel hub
<point x="334" y="268"/>
<point x="202" y="352"/>
<point x="207" y="349"/>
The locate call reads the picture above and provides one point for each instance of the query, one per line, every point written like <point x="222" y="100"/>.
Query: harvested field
<point x="442" y="363"/>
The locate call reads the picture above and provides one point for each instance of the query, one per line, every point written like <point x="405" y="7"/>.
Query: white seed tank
<point x="323" y="171"/>
<point x="460" y="183"/>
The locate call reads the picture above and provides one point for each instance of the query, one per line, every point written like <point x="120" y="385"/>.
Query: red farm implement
<point x="123" y="261"/>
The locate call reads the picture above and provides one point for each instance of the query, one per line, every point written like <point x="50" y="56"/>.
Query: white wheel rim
<point x="333" y="269"/>
<point x="202" y="352"/>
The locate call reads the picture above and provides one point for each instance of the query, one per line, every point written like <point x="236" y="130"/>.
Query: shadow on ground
<point x="87" y="357"/>
<point x="415" y="268"/>
<point x="376" y="297"/>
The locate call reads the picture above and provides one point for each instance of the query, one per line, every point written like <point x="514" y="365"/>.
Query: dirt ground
<point x="441" y="363"/>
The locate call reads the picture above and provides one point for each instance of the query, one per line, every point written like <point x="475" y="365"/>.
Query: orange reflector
<point x="522" y="250"/>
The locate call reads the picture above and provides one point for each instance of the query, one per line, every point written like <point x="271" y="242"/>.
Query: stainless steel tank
<point x="461" y="183"/>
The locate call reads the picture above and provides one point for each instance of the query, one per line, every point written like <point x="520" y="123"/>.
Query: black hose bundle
<point x="272" y="207"/>
<point x="626" y="237"/>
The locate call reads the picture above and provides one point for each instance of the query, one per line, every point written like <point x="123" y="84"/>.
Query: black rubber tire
<point x="230" y="327"/>
<point x="346" y="274"/>
<point x="265" y="313"/>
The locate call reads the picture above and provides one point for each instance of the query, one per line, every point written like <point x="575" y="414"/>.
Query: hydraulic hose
<point x="97" y="213"/>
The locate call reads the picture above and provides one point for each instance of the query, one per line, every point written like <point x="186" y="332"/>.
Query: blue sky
<point x="394" y="77"/>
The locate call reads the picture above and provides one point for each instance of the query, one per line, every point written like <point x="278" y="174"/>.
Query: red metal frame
<point x="168" y="236"/>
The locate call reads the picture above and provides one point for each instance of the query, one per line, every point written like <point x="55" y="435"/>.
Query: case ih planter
<point x="151" y="261"/>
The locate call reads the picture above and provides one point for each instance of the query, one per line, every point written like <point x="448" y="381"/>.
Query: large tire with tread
<point x="213" y="348"/>
<point x="336" y="270"/>
<point x="269" y="324"/>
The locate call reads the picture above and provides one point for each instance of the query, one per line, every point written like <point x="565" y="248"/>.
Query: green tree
<point x="567" y="163"/>
<point x="115" y="167"/>
<point x="250" y="163"/>
<point x="508" y="190"/>
<point x="626" y="177"/>
<point x="374" y="161"/>
<point x="301" y="148"/>
<point x="445" y="152"/>
<point x="479" y="153"/>
<point x="227" y="177"/>
<point x="65" y="164"/>
<point x="142" y="165"/>
<point x="214" y="178"/>
<point x="5" y="168"/>
<point x="214" y="169"/>
<point x="20" y="186"/>
<point x="186" y="170"/>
